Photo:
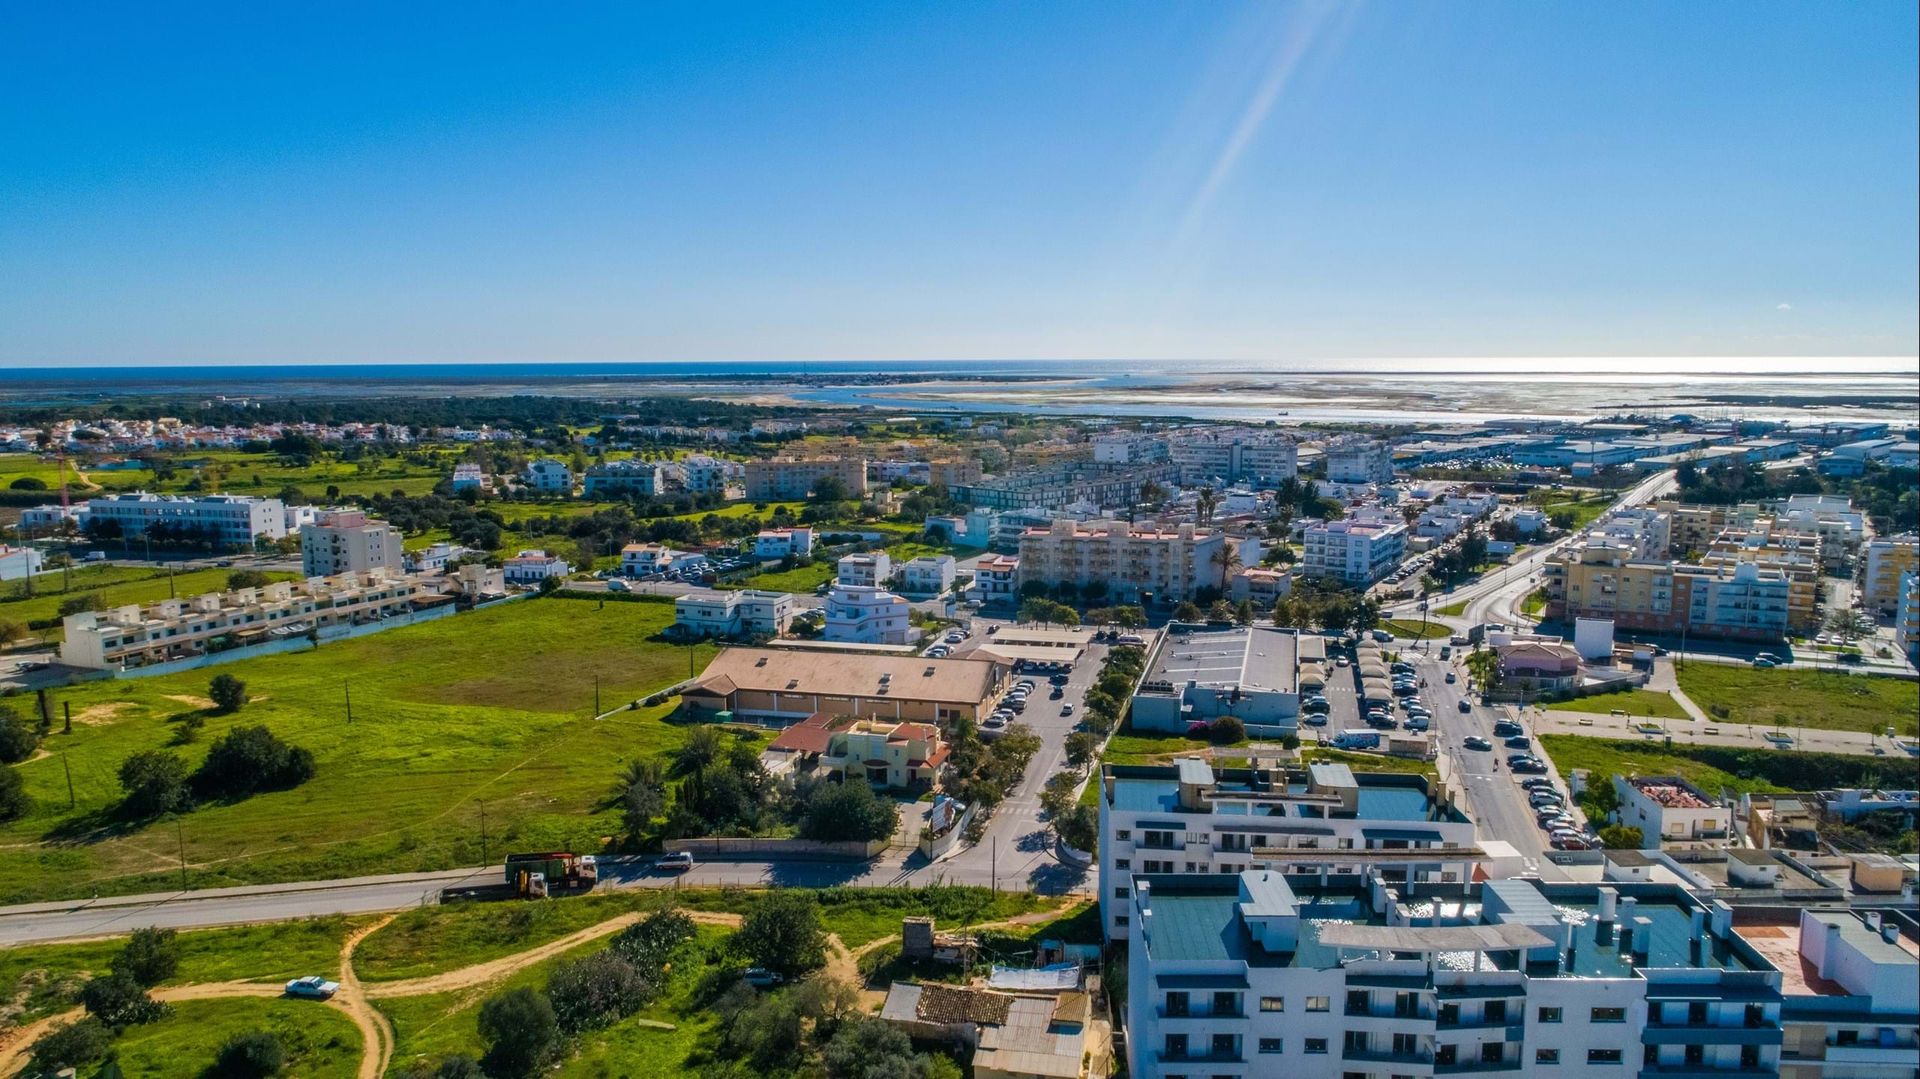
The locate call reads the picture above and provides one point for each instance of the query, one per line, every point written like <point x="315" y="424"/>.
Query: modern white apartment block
<point x="1743" y="601"/>
<point x="1644" y="531"/>
<point x="1851" y="988"/>
<point x="1260" y="973"/>
<point x="928" y="575"/>
<point x="641" y="559"/>
<point x="616" y="479"/>
<point x="1668" y="809"/>
<point x="1842" y="528"/>
<point x="1888" y="558"/>
<point x="862" y="614"/>
<point x="1358" y="459"/>
<point x="747" y="612"/>
<point x="228" y="520"/>
<point x="137" y="636"/>
<point x="1128" y="448"/>
<point x="868" y="569"/>
<point x="1352" y="551"/>
<point x="529" y="568"/>
<point x="470" y="477"/>
<point x="703" y="474"/>
<point x="549" y="476"/>
<point x="1906" y="626"/>
<point x="797" y="477"/>
<point x="18" y="563"/>
<point x="348" y="541"/>
<point x="782" y="542"/>
<point x="1189" y="817"/>
<point x="1259" y="458"/>
<point x="1129" y="562"/>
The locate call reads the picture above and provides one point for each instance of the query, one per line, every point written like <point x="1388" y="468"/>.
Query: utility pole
<point x="180" y="837"/>
<point x="69" y="767"/>
<point x="484" y="860"/>
<point x="348" y="686"/>
<point x="596" y="696"/>
<point x="994" y="863"/>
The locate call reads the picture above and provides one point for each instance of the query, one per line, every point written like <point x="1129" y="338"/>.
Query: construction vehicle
<point x="533" y="876"/>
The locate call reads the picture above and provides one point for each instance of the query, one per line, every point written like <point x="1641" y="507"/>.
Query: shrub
<point x="119" y="1001"/>
<point x="651" y="943"/>
<point x="14" y="800"/>
<point x="150" y="956"/>
<point x="249" y="759"/>
<point x="595" y="991"/>
<point x="18" y="737"/>
<point x="1621" y="837"/>
<point x="782" y="933"/>
<point x="229" y="694"/>
<point x="28" y="483"/>
<point x="847" y="811"/>
<point x="1226" y="730"/>
<point x="253" y="1055"/>
<point x="155" y="782"/>
<point x="71" y="1046"/>
<point x="86" y="601"/>
<point x="521" y="1032"/>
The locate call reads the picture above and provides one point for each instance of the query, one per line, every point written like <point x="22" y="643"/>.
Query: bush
<point x="1079" y="828"/>
<point x="453" y="1067"/>
<point x="28" y="483"/>
<point x="150" y="956"/>
<point x="847" y="811"/>
<point x="119" y="1001"/>
<point x="14" y="800"/>
<point x="1621" y="837"/>
<point x="595" y="991"/>
<point x="651" y="943"/>
<point x="249" y="759"/>
<point x="18" y="737"/>
<point x="229" y="694"/>
<point x="246" y="578"/>
<point x="155" y="782"/>
<point x="782" y="932"/>
<point x="71" y="1046"/>
<point x="1226" y="731"/>
<point x="86" y="601"/>
<point x="521" y="1032"/>
<point x="253" y="1055"/>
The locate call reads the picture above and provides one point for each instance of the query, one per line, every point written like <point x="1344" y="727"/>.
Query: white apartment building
<point x="863" y="614"/>
<point x="1359" y="459"/>
<point x="529" y="568"/>
<point x="1906" y="626"/>
<point x="866" y="569"/>
<point x="781" y="542"/>
<point x="640" y="559"/>
<point x="712" y="475"/>
<point x="1130" y="562"/>
<point x="136" y="636"/>
<point x="1841" y="528"/>
<point x="18" y="563"/>
<point x="1852" y="994"/>
<point x="1887" y="559"/>
<point x="1189" y="817"/>
<point x="1260" y="458"/>
<point x="470" y="477"/>
<point x="1258" y="973"/>
<point x="1668" y="809"/>
<point x="433" y="558"/>
<point x="1353" y="551"/>
<point x="229" y="520"/>
<point x="747" y="612"/>
<point x="1264" y="585"/>
<point x="928" y="575"/>
<point x="348" y="541"/>
<point x="996" y="578"/>
<point x="1128" y="448"/>
<point x="550" y="475"/>
<point x="615" y="479"/>
<point x="1746" y="602"/>
<point x="1644" y="531"/>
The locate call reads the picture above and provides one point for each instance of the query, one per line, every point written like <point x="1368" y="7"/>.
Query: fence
<point x="779" y="849"/>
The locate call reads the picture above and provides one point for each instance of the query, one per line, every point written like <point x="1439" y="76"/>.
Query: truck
<point x="1357" y="739"/>
<point x="533" y="876"/>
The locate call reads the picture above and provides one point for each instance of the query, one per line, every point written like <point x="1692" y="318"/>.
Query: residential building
<point x="1202" y="674"/>
<point x="468" y="476"/>
<point x="1795" y="555"/>
<point x="746" y="612"/>
<point x="1841" y="528"/>
<point x="951" y="473"/>
<point x="928" y="575"/>
<point x="1358" y="459"/>
<point x="1850" y="979"/>
<point x="781" y="686"/>
<point x="1529" y="522"/>
<point x="641" y="559"/>
<point x="1532" y="668"/>
<point x="529" y="568"/>
<point x="1888" y="559"/>
<point x="783" y="542"/>
<point x="1602" y="580"/>
<point x="996" y="578"/>
<point x="1745" y="602"/>
<point x="433" y="558"/>
<point x="1906" y="625"/>
<point x="864" y="614"/>
<point x="1260" y="973"/>
<point x="1668" y="809"/>
<point x="619" y="479"/>
<point x="799" y="477"/>
<point x="174" y="629"/>
<point x="1264" y="585"/>
<point x="1067" y="485"/>
<point x="1692" y="528"/>
<point x="1129" y="563"/>
<point x="974" y="529"/>
<point x="1353" y="551"/>
<point x="1234" y="455"/>
<point x="348" y="541"/>
<point x="1644" y="531"/>
<point x="18" y="563"/>
<point x="550" y="476"/>
<point x="52" y="519"/>
<point x="869" y="569"/>
<point x="1189" y="817"/>
<point x="228" y="521"/>
<point x="1010" y="1035"/>
<point x="703" y="474"/>
<point x="897" y="754"/>
<point x="1129" y="448"/>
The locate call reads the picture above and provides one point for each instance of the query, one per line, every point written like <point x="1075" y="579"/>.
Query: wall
<point x="757" y="849"/>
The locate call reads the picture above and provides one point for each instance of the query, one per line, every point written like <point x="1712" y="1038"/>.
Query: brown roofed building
<point x="784" y="686"/>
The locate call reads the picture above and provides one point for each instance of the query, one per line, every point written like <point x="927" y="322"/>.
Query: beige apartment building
<point x="1129" y="562"/>
<point x="950" y="472"/>
<point x="1887" y="559"/>
<point x="797" y="477"/>
<point x="348" y="541"/>
<point x="1795" y="555"/>
<point x="136" y="636"/>
<point x="1736" y="599"/>
<point x="1693" y="528"/>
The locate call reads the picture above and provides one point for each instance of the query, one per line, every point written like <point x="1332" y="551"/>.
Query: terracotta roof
<point x="810" y="735"/>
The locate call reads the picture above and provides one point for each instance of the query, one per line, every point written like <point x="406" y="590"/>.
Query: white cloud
<point x="1784" y="307"/>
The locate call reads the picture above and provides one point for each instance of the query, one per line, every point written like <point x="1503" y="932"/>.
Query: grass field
<point x="1605" y="757"/>
<point x="122" y="585"/>
<point x="1638" y="702"/>
<point x="234" y="472"/>
<point x="488" y="709"/>
<point x="1453" y="610"/>
<point x="1411" y="629"/>
<point x="428" y="940"/>
<point x="1786" y="698"/>
<point x="320" y="1042"/>
<point x="804" y="579"/>
<point x="1535" y="602"/>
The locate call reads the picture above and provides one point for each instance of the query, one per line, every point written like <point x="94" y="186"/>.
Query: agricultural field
<point x="487" y="711"/>
<point x="1785" y="698"/>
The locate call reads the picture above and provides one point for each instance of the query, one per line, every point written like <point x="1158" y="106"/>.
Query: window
<point x="1546" y="1056"/>
<point x="1318" y="1004"/>
<point x="1121" y="919"/>
<point x="1273" y="1004"/>
<point x="1225" y="1004"/>
<point x="1603" y="1056"/>
<point x="1549" y="1015"/>
<point x="1609" y="1015"/>
<point x="1120" y="892"/>
<point x="1177" y="1004"/>
<point x="1223" y="1045"/>
<point x="1123" y="863"/>
<point x="1123" y="833"/>
<point x="1496" y="1011"/>
<point x="1270" y="1045"/>
<point x="1316" y="1045"/>
<point x="1176" y="1046"/>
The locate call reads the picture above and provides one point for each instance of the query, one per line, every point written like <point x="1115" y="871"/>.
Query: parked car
<point x="677" y="862"/>
<point x="312" y="987"/>
<point x="762" y="978"/>
<point x="1314" y="719"/>
<point x="1519" y="741"/>
<point x="1477" y="742"/>
<point x="1506" y="728"/>
<point x="1450" y="678"/>
<point x="1066" y="709"/>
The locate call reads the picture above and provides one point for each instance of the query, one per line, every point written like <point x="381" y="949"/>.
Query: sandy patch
<point x="107" y="712"/>
<point x="189" y="700"/>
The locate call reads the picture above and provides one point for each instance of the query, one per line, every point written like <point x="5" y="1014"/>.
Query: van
<point x="1353" y="739"/>
<point x="96" y="556"/>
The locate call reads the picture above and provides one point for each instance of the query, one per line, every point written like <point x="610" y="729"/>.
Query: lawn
<point x="1637" y="702"/>
<point x="1453" y="610"/>
<point x="486" y="712"/>
<point x="1610" y="757"/>
<point x="1786" y="698"/>
<point x="1148" y="747"/>
<point x="1369" y="762"/>
<point x="117" y="588"/>
<point x="1412" y="630"/>
<point x="1535" y="602"/>
<point x="320" y="1042"/>
<point x="1738" y="769"/>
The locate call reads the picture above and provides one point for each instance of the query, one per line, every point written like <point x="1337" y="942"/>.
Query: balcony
<point x="1479" y="1067"/>
<point x="1708" y="1034"/>
<point x="1423" y="1056"/>
<point x="1201" y="1056"/>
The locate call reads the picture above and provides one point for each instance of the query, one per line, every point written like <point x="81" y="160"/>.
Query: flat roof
<point x="1253" y="657"/>
<point x="842" y="674"/>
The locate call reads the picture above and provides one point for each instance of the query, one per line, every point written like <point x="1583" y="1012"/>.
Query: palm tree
<point x="1205" y="504"/>
<point x="1228" y="559"/>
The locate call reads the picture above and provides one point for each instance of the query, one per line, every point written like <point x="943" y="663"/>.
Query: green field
<point x="1452" y="610"/>
<point x="116" y="586"/>
<point x="235" y="472"/>
<point x="428" y="940"/>
<point x="487" y="710"/>
<point x="1785" y="698"/>
<point x="1741" y="770"/>
<point x="1637" y="702"/>
<point x="320" y="1042"/>
<point x="1412" y="630"/>
<point x="804" y="579"/>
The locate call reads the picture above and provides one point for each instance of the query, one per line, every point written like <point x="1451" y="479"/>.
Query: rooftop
<point x="849" y="674"/>
<point x="1382" y="796"/>
<point x="1254" y="658"/>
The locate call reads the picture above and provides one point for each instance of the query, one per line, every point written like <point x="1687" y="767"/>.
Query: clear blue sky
<point x="1049" y="179"/>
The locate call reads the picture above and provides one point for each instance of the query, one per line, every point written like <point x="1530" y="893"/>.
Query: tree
<point x="651" y="943"/>
<point x="1621" y="837"/>
<point x="28" y="483"/>
<point x="86" y="601"/>
<point x="1243" y="613"/>
<point x="872" y="1048"/>
<point x="521" y="1032"/>
<point x="1058" y="795"/>
<point x="1078" y="827"/>
<point x="150" y="956"/>
<point x="155" y="782"/>
<point x="18" y="737"/>
<point x="71" y="1046"/>
<point x="593" y="992"/>
<point x="14" y="800"/>
<point x="1048" y="611"/>
<point x="641" y="792"/>
<point x="119" y="1001"/>
<point x="10" y="631"/>
<point x="1187" y="611"/>
<point x="702" y="748"/>
<point x="1484" y="666"/>
<point x="453" y="1067"/>
<point x="229" y="694"/>
<point x="781" y="932"/>
<point x="1226" y="731"/>
<point x="1081" y="746"/>
<point x="246" y="578"/>
<point x="250" y="759"/>
<point x="847" y="811"/>
<point x="255" y="1054"/>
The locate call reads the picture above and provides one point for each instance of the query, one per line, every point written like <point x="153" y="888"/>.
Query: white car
<point x="313" y="987"/>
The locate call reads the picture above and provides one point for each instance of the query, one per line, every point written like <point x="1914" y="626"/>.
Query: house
<point x="863" y="614"/>
<point x="1010" y="1036"/>
<point x="927" y="575"/>
<point x="747" y="612"/>
<point x="868" y="569"/>
<point x="773" y="543"/>
<point x="1264" y="585"/>
<point x="996" y="579"/>
<point x="550" y="476"/>
<point x="1668" y="809"/>
<point x="471" y="477"/>
<point x="641" y="559"/>
<point x="528" y="568"/>
<point x="886" y="753"/>
<point x="1538" y="667"/>
<point x="434" y="558"/>
<point x="18" y="563"/>
<point x="781" y="686"/>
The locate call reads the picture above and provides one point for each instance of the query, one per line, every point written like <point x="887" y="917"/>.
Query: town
<point x="1046" y="746"/>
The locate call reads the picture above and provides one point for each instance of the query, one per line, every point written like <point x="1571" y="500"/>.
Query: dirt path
<point x="376" y="1034"/>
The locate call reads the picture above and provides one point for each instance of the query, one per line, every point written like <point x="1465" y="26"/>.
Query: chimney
<point x="1608" y="897"/>
<point x="1872" y="919"/>
<point x="1627" y="906"/>
<point x="1890" y="932"/>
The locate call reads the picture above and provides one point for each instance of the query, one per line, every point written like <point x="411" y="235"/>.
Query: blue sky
<point x="390" y="183"/>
